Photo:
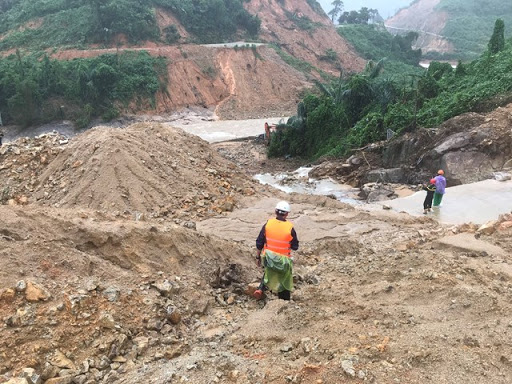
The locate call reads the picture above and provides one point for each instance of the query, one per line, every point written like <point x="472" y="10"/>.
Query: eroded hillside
<point x="240" y="80"/>
<point x="455" y="29"/>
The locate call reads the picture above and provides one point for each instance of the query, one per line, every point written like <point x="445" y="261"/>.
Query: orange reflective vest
<point x="278" y="235"/>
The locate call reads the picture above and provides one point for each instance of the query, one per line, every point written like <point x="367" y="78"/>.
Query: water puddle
<point x="299" y="182"/>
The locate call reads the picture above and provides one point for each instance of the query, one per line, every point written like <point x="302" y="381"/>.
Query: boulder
<point x="393" y="175"/>
<point x="466" y="167"/>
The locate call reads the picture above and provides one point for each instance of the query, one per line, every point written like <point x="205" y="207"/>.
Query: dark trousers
<point x="428" y="201"/>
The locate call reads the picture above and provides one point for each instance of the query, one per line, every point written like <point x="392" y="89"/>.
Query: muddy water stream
<point x="300" y="182"/>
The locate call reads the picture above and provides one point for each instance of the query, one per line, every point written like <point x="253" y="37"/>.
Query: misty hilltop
<point x="452" y="28"/>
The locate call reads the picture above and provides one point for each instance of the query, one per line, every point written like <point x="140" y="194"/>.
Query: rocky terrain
<point x="149" y="280"/>
<point x="469" y="148"/>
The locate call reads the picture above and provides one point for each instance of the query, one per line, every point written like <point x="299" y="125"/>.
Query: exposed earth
<point x="127" y="251"/>
<point x="239" y="80"/>
<point x="127" y="256"/>
<point x="423" y="17"/>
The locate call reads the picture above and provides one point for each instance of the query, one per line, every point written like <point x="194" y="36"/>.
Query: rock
<point x="381" y="194"/>
<point x="112" y="294"/>
<point x="354" y="160"/>
<point x="60" y="360"/>
<point x="127" y="367"/>
<point x="466" y="167"/>
<point x="35" y="292"/>
<point x="60" y="380"/>
<point x="141" y="344"/>
<point x="488" y="228"/>
<point x="393" y="175"/>
<point x="503" y="226"/>
<point x="154" y="324"/>
<point x="348" y="367"/>
<point x="166" y="287"/>
<point x="502" y="176"/>
<point x="16" y="380"/>
<point x="31" y="376"/>
<point x="8" y="295"/>
<point x="21" y="286"/>
<point x="106" y="320"/>
<point x="103" y="363"/>
<point x="49" y="371"/>
<point x="80" y="379"/>
<point x="173" y="315"/>
<point x="249" y="291"/>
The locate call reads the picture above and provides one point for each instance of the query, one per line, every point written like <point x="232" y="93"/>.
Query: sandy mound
<point x="144" y="169"/>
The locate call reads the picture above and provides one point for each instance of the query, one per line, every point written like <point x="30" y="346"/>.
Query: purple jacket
<point x="440" y="184"/>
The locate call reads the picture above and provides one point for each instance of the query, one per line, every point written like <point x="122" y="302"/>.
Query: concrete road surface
<point x="477" y="202"/>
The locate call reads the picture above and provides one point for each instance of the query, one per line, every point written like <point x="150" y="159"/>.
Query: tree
<point x="362" y="17"/>
<point x="497" y="41"/>
<point x="338" y="8"/>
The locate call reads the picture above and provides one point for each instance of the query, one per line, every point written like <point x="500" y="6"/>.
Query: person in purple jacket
<point x="440" y="188"/>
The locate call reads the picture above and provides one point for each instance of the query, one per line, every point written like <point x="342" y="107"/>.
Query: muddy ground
<point x="150" y="281"/>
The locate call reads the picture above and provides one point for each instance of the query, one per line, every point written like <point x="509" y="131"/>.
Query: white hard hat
<point x="283" y="206"/>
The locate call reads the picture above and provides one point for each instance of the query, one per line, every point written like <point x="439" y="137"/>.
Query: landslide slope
<point x="301" y="44"/>
<point x="457" y="28"/>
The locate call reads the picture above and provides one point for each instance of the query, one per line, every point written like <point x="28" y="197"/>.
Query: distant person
<point x="274" y="244"/>
<point x="440" y="188"/>
<point x="431" y="189"/>
<point x="1" y="136"/>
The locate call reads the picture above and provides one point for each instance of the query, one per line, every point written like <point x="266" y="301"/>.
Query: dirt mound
<point x="145" y="169"/>
<point x="80" y="283"/>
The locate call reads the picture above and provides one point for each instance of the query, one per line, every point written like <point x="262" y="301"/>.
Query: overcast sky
<point x="386" y="8"/>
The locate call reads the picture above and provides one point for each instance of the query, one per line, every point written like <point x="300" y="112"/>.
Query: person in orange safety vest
<point x="279" y="236"/>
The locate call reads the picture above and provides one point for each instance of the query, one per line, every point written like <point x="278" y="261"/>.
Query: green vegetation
<point x="300" y="65"/>
<point x="355" y="111"/>
<point x="374" y="42"/>
<point x="40" y="24"/>
<point x="213" y="21"/>
<point x="37" y="89"/>
<point x="302" y="22"/>
<point x="315" y="6"/>
<point x="363" y="16"/>
<point x="470" y="23"/>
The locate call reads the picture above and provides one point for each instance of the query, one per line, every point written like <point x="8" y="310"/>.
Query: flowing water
<point x="300" y="182"/>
